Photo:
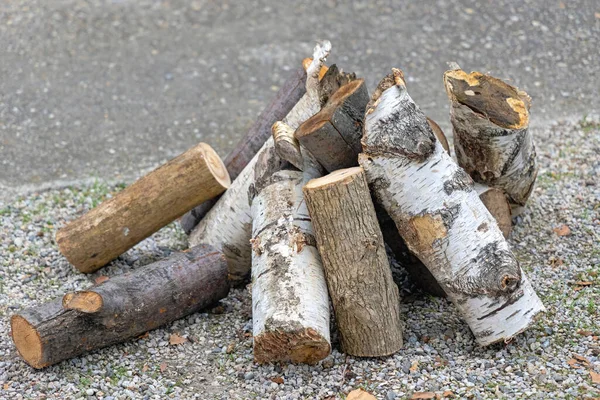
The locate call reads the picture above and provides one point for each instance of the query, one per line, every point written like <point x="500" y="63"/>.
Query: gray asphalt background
<point x="107" y="89"/>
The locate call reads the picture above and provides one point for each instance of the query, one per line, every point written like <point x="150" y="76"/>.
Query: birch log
<point x="333" y="134"/>
<point x="441" y="218"/>
<point x="491" y="137"/>
<point x="290" y="305"/>
<point x="228" y="225"/>
<point x="364" y="296"/>
<point x="285" y="99"/>
<point x="121" y="308"/>
<point x="116" y="225"/>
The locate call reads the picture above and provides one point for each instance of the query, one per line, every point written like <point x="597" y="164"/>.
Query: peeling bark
<point x="157" y="199"/>
<point x="121" y="308"/>
<point x="491" y="137"/>
<point x="441" y="218"/>
<point x="365" y="298"/>
<point x="290" y="305"/>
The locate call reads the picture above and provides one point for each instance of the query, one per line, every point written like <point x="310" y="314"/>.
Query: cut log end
<point x="501" y="103"/>
<point x="215" y="165"/>
<point x="340" y="175"/>
<point x="304" y="346"/>
<point x="84" y="301"/>
<point x="27" y="340"/>
<point x="286" y="144"/>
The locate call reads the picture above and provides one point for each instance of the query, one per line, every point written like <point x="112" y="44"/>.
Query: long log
<point x="290" y="305"/>
<point x="441" y="218"/>
<point x="121" y="308"/>
<point x="364" y="296"/>
<point x="286" y="98"/>
<point x="162" y="196"/>
<point x="228" y="225"/>
<point x="491" y="137"/>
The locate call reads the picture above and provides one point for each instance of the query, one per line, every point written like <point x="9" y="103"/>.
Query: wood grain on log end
<point x="28" y="341"/>
<point x="215" y="165"/>
<point x="303" y="346"/>
<point x="286" y="144"/>
<point x="503" y="104"/>
<point x="84" y="301"/>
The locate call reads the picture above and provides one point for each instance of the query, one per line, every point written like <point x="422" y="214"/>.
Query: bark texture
<point x="290" y="305"/>
<point x="364" y="296"/>
<point x="333" y="135"/>
<point x="228" y="225"/>
<point x="490" y="120"/>
<point x="441" y="218"/>
<point x="121" y="308"/>
<point x="285" y="99"/>
<point x="157" y="199"/>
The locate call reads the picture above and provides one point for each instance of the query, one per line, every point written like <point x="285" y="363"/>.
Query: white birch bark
<point x="290" y="304"/>
<point x="441" y="218"/>
<point x="491" y="137"/>
<point x="227" y="226"/>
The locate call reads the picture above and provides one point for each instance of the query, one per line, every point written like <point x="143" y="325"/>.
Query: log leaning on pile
<point x="491" y="136"/>
<point x="285" y="99"/>
<point x="228" y="225"/>
<point x="364" y="296"/>
<point x="157" y="199"/>
<point x="121" y="308"/>
<point x="290" y="304"/>
<point x="440" y="216"/>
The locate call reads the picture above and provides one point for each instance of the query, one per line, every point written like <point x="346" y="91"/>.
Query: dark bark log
<point x="157" y="199"/>
<point x="287" y="97"/>
<point x="364" y="296"/>
<point x="121" y="308"/>
<point x="333" y="134"/>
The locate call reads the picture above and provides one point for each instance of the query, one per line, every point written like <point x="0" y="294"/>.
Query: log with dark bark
<point x="491" y="137"/>
<point x="441" y="218"/>
<point x="333" y="135"/>
<point x="121" y="308"/>
<point x="285" y="99"/>
<point x="290" y="305"/>
<point x="228" y="225"/>
<point x="162" y="196"/>
<point x="364" y="296"/>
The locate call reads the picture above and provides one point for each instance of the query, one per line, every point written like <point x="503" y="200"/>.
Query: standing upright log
<point x="491" y="137"/>
<point x="121" y="308"/>
<point x="333" y="135"/>
<point x="116" y="225"/>
<point x="286" y="98"/>
<point x="441" y="218"/>
<point x="290" y="305"/>
<point x="228" y="225"/>
<point x="364" y="296"/>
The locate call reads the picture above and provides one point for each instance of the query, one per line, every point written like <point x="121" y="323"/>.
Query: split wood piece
<point x="333" y="134"/>
<point x="290" y="304"/>
<point x="228" y="225"/>
<point x="332" y="80"/>
<point x="491" y="137"/>
<point x="364" y="296"/>
<point x="442" y="219"/>
<point x="439" y="134"/>
<point x="121" y="308"/>
<point x="285" y="99"/>
<point x="497" y="204"/>
<point x="306" y="63"/>
<point x="157" y="199"/>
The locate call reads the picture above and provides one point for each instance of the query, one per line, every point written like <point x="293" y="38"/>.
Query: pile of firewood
<point x="324" y="180"/>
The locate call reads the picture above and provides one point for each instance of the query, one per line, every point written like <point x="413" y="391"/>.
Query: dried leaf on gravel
<point x="448" y="393"/>
<point x="584" y="332"/>
<point x="144" y="335"/>
<point x="278" y="380"/>
<point x="414" y="366"/>
<point x="175" y="339"/>
<point x="595" y="377"/>
<point x="100" y="279"/>
<point x="145" y="368"/>
<point x="562" y="230"/>
<point x="359" y="394"/>
<point x="581" y="359"/>
<point x="584" y="283"/>
<point x="423" y="395"/>
<point x="163" y="366"/>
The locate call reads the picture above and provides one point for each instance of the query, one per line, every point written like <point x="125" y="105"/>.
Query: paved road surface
<point x="106" y="89"/>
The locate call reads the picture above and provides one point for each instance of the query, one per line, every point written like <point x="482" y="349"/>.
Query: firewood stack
<point x="325" y="179"/>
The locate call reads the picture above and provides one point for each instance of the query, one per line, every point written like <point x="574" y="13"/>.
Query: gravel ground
<point x="440" y="352"/>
